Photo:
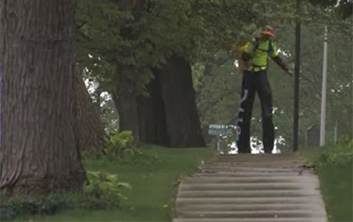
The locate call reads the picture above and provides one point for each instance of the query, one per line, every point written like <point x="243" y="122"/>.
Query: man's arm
<point x="246" y="55"/>
<point x="276" y="58"/>
<point x="280" y="63"/>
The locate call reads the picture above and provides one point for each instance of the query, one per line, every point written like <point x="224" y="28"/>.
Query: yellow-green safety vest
<point x="260" y="50"/>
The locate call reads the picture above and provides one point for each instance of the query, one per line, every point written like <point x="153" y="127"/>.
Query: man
<point x="255" y="58"/>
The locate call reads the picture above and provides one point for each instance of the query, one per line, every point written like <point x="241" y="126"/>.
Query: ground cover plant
<point x="334" y="166"/>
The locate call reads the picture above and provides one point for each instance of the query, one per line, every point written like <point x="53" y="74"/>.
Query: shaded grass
<point x="153" y="184"/>
<point x="336" y="185"/>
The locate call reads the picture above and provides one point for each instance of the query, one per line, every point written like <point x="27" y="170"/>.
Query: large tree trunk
<point x="124" y="97"/>
<point x="143" y="115"/>
<point x="38" y="118"/>
<point x="169" y="115"/>
<point x="151" y="116"/>
<point x="182" y="119"/>
<point x="124" y="94"/>
<point x="91" y="134"/>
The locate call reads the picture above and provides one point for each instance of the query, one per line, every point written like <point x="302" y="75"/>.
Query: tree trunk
<point x="124" y="94"/>
<point x="182" y="119"/>
<point x="38" y="114"/>
<point x="91" y="134"/>
<point x="142" y="115"/>
<point x="168" y="117"/>
<point x="151" y="116"/>
<point x="124" y="97"/>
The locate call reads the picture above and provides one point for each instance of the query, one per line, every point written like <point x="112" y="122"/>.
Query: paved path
<point x="251" y="188"/>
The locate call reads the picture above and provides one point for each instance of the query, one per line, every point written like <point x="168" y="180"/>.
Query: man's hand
<point x="281" y="64"/>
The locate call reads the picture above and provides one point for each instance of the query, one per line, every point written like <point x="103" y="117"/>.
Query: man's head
<point x="266" y="32"/>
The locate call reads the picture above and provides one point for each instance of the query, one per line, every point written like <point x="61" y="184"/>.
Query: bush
<point x="338" y="154"/>
<point x="101" y="191"/>
<point x="104" y="188"/>
<point x="121" y="147"/>
<point x="11" y="208"/>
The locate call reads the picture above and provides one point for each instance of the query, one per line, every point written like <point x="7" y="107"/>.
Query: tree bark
<point x="38" y="116"/>
<point x="124" y="94"/>
<point x="151" y="116"/>
<point x="143" y="115"/>
<point x="168" y="116"/>
<point x="124" y="97"/>
<point x="182" y="119"/>
<point x="91" y="134"/>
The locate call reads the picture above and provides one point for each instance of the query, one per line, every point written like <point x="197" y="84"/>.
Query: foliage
<point x="104" y="188"/>
<point x="109" y="115"/>
<point x="101" y="191"/>
<point x="141" y="40"/>
<point x="121" y="147"/>
<point x="154" y="185"/>
<point x="11" y="208"/>
<point x="342" y="9"/>
<point x="339" y="154"/>
<point x="334" y="166"/>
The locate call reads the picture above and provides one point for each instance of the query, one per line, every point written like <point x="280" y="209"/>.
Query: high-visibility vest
<point x="260" y="50"/>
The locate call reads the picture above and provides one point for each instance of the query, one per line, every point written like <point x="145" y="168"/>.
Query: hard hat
<point x="266" y="31"/>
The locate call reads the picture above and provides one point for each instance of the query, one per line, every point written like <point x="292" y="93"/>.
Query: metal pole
<point x="296" y="82"/>
<point x="323" y="93"/>
<point x="335" y="133"/>
<point x="218" y="148"/>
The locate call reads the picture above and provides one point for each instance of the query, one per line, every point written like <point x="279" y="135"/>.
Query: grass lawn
<point x="153" y="186"/>
<point x="336" y="186"/>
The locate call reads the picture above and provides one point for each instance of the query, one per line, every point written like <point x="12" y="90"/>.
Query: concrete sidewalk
<point x="251" y="188"/>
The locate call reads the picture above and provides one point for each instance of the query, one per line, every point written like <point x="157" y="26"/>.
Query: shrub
<point x="11" y="208"/>
<point x="104" y="188"/>
<point x="121" y="147"/>
<point x="341" y="153"/>
<point x="101" y="191"/>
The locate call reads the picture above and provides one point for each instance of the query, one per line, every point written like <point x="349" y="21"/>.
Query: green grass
<point x="154" y="186"/>
<point x="336" y="185"/>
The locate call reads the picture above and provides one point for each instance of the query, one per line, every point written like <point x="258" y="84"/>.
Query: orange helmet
<point x="267" y="31"/>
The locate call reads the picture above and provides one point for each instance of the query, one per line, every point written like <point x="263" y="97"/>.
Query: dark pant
<point x="255" y="82"/>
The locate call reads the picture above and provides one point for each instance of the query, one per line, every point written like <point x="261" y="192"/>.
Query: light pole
<point x="296" y="81"/>
<point x="323" y="93"/>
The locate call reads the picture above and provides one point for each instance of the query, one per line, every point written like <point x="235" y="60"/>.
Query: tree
<point x="142" y="46"/>
<point x="181" y="115"/>
<point x="341" y="8"/>
<point x="38" y="118"/>
<point x="168" y="115"/>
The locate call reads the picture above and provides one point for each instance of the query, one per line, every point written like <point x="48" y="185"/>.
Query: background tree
<point x="91" y="134"/>
<point x="143" y="46"/>
<point x="38" y="118"/>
